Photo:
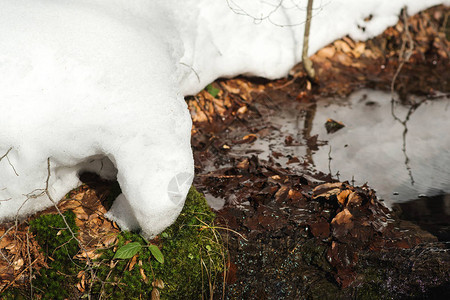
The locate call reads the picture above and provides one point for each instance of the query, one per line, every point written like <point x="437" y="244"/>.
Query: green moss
<point x="194" y="255"/>
<point x="58" y="245"/>
<point x="193" y="258"/>
<point x="13" y="294"/>
<point x="314" y="253"/>
<point x="372" y="287"/>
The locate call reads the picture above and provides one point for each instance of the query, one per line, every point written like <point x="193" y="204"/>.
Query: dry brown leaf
<point x="17" y="264"/>
<point x="354" y="200"/>
<point x="78" y="196"/>
<point x="359" y="49"/>
<point x="158" y="283"/>
<point x="108" y="240"/>
<point x="79" y="223"/>
<point x="144" y="277"/>
<point x="132" y="262"/>
<point x="91" y="253"/>
<point x="349" y="41"/>
<point x="242" y="110"/>
<point x="294" y="195"/>
<point x="342" y="46"/>
<point x="80" y="288"/>
<point x="80" y="213"/>
<point x="243" y="164"/>
<point x="327" y="52"/>
<point x="155" y="294"/>
<point x="326" y="187"/>
<point x="6" y="241"/>
<point x="83" y="281"/>
<point x="344" y="59"/>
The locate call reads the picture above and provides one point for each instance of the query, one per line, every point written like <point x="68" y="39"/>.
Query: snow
<point x="98" y="85"/>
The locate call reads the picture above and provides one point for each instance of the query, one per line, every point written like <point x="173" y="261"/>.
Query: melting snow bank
<point x="98" y="85"/>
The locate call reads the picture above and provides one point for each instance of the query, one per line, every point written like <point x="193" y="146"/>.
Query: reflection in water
<point x="402" y="151"/>
<point x="412" y="107"/>
<point x="430" y="213"/>
<point x="373" y="146"/>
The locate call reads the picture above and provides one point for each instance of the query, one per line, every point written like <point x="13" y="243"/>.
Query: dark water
<point x="430" y="213"/>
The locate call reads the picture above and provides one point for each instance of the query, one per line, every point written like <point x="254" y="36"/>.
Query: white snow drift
<point x="98" y="85"/>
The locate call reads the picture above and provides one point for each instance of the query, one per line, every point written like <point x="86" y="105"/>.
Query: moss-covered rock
<point x="193" y="253"/>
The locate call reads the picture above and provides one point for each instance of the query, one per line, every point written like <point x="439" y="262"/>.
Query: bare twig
<point x="29" y="261"/>
<point x="237" y="9"/>
<point x="17" y="277"/>
<point x="404" y="56"/>
<point x="89" y="262"/>
<point x="192" y="69"/>
<point x="9" y="162"/>
<point x="6" y="154"/>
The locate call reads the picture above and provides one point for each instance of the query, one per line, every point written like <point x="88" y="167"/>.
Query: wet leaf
<point x="354" y="200"/>
<point x="327" y="189"/>
<point x="343" y="217"/>
<point x="128" y="251"/>
<point x="343" y="196"/>
<point x="157" y="253"/>
<point x="332" y="126"/>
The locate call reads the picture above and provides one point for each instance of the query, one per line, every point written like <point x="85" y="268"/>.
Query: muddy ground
<point x="307" y="238"/>
<point x="302" y="233"/>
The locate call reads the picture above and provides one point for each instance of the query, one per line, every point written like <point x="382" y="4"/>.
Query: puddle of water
<point x="214" y="202"/>
<point x="401" y="160"/>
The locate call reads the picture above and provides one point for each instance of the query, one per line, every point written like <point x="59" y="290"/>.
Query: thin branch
<point x="7" y="158"/>
<point x="89" y="262"/>
<point x="29" y="261"/>
<point x="6" y="154"/>
<point x="193" y="70"/>
<point x="404" y="56"/>
<point x="237" y="9"/>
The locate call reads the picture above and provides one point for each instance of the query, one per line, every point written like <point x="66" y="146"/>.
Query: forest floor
<point x="301" y="232"/>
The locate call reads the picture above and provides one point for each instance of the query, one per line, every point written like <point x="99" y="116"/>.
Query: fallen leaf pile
<point x="19" y="250"/>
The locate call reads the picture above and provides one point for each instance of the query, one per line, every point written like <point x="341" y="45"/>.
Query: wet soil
<point x="304" y="233"/>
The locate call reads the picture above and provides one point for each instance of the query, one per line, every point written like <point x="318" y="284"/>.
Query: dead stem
<point x="29" y="261"/>
<point x="9" y="162"/>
